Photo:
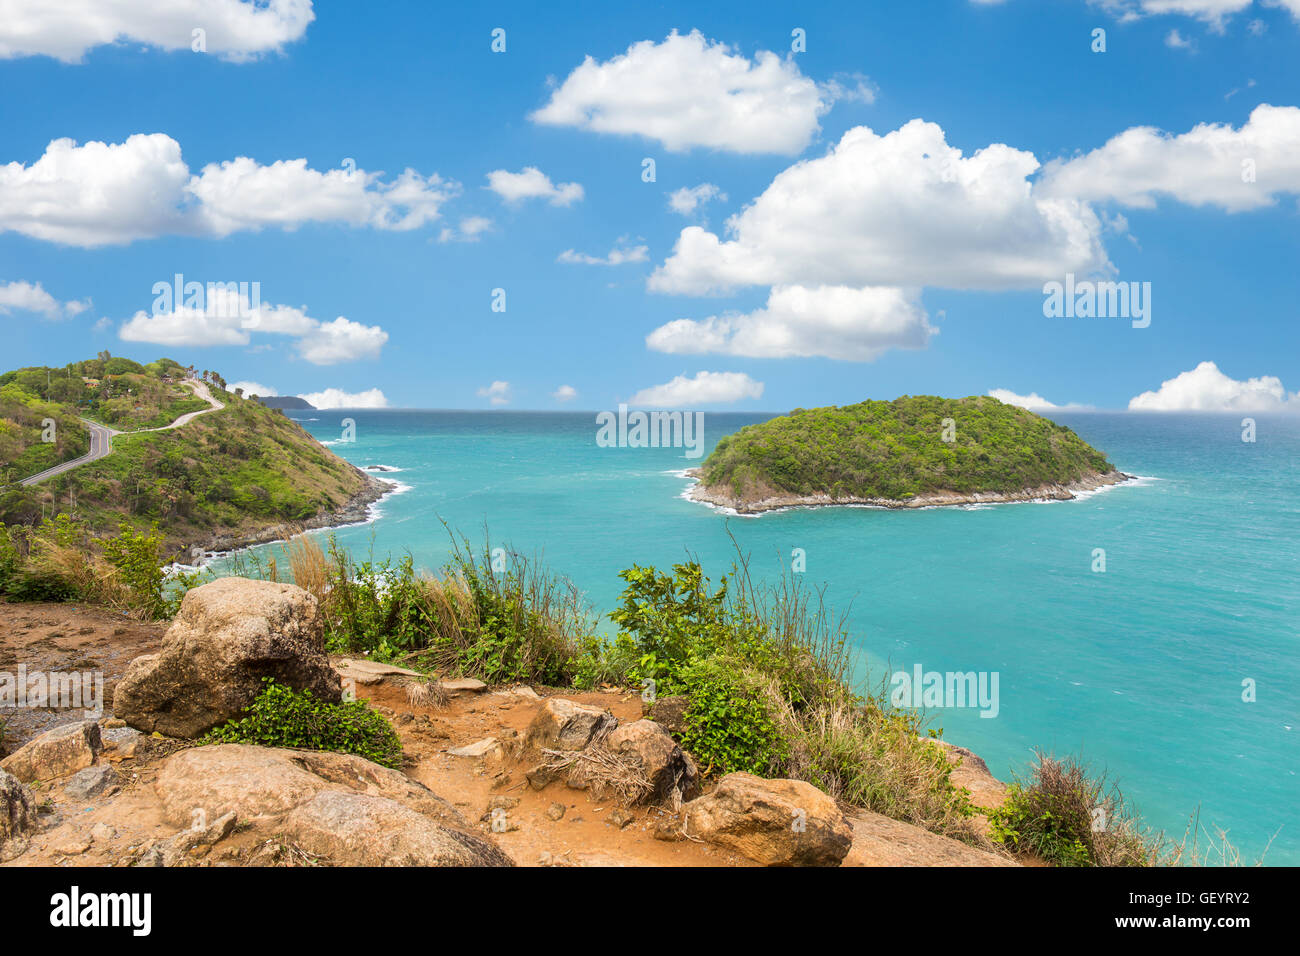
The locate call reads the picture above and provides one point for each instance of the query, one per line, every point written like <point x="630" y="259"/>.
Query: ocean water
<point x="1141" y="668"/>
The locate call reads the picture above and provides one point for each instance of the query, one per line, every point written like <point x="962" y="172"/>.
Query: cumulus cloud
<point x="903" y="209"/>
<point x="1176" y="41"/>
<point x="686" y="200"/>
<point x="836" y="322"/>
<point x="498" y="393"/>
<point x="1033" y="401"/>
<point x="99" y="194"/>
<point x="1214" y="13"/>
<point x="226" y="316"/>
<point x="337" y="398"/>
<point x="706" y="388"/>
<point x="233" y="29"/>
<point x="565" y="393"/>
<point x="1210" y="165"/>
<point x="619" y="255"/>
<point x="1206" y="389"/>
<point x="254" y="388"/>
<point x="342" y="340"/>
<point x="531" y="183"/>
<point x="31" y="297"/>
<point x="469" y="230"/>
<point x="688" y="91"/>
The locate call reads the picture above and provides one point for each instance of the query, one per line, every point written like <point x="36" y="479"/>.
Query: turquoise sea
<point x="1140" y="668"/>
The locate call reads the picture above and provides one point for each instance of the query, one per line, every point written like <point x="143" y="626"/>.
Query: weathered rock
<point x="880" y="841"/>
<point x="125" y="741"/>
<point x="775" y="822"/>
<point x="556" y="811"/>
<point x="672" y="775"/>
<point x="262" y="784"/>
<point x="489" y="747"/>
<point x="56" y="753"/>
<point x="365" y="672"/>
<point x="91" y="782"/>
<point x="564" y="725"/>
<point x="229" y="635"/>
<point x="970" y="771"/>
<point x="668" y="712"/>
<point x="463" y="685"/>
<point x="354" y="829"/>
<point x="17" y="816"/>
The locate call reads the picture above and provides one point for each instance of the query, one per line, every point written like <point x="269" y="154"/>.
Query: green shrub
<point x="729" y="722"/>
<point x="1070" y="818"/>
<point x="283" y="717"/>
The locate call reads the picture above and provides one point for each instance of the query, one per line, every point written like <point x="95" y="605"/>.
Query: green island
<point x="916" y="451"/>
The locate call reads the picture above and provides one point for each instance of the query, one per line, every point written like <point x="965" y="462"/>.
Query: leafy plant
<point x="283" y="717"/>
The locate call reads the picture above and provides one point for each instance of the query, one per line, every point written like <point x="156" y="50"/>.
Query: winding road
<point x="101" y="436"/>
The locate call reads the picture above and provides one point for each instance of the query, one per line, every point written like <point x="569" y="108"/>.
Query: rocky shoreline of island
<point x="1067" y="491"/>
<point x="356" y="510"/>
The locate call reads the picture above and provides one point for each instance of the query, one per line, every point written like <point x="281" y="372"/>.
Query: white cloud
<point x="67" y="29"/>
<point x="531" y="183"/>
<point x="341" y="341"/>
<point x="99" y="194"/>
<point x="904" y="209"/>
<point x="833" y="321"/>
<point x="225" y="316"/>
<point x="565" y="393"/>
<point x="618" y="256"/>
<point x="254" y="388"/>
<point x="687" y="199"/>
<point x="1214" y="13"/>
<point x="705" y="388"/>
<point x="688" y="91"/>
<point x="337" y="398"/>
<point x="1206" y="389"/>
<point x="1033" y="401"/>
<point x="469" y="230"/>
<point x="28" y="297"/>
<point x="498" y="393"/>
<point x="1175" y="40"/>
<point x="1205" y="166"/>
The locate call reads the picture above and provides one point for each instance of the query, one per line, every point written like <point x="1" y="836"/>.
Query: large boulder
<point x="229" y="635"/>
<point x="564" y="725"/>
<point x="355" y="829"/>
<point x="672" y="774"/>
<point x="775" y="822"/>
<point x="880" y="841"/>
<point x="17" y="816"/>
<point x="56" y="753"/>
<point x="262" y="784"/>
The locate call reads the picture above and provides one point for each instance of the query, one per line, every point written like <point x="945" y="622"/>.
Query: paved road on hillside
<point x="101" y="437"/>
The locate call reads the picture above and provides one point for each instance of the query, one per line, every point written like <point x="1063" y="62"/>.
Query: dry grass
<point x="425" y="693"/>
<point x="865" y="757"/>
<point x="600" y="771"/>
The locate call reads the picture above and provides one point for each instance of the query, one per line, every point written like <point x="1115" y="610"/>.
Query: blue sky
<point x="871" y="255"/>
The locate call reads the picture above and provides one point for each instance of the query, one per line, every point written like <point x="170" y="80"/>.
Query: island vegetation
<point x="912" y="450"/>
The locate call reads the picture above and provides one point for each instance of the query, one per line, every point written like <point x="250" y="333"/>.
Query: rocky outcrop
<point x="355" y="829"/>
<point x="229" y="635"/>
<point x="668" y="712"/>
<point x="880" y="841"/>
<point x="774" y="822"/>
<point x="17" y="816"/>
<point x="563" y="725"/>
<point x="56" y="753"/>
<point x="261" y="784"/>
<point x="671" y="773"/>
